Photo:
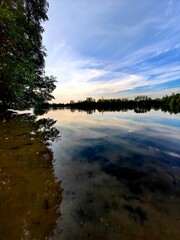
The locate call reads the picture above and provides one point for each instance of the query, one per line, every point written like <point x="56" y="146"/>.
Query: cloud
<point x="107" y="47"/>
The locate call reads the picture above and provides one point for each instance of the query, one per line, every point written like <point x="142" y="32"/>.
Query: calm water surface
<point x="120" y="174"/>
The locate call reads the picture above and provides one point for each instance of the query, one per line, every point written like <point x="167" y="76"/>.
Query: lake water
<point x="120" y="174"/>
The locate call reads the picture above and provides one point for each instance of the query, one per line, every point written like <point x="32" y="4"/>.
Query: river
<point x="120" y="174"/>
<point x="72" y="174"/>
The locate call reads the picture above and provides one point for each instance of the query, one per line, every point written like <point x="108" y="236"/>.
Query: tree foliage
<point x="23" y="82"/>
<point x="140" y="104"/>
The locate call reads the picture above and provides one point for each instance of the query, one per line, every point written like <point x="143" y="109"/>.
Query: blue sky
<point x="113" y="48"/>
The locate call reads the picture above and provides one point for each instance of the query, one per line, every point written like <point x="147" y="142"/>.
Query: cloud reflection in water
<point x="119" y="172"/>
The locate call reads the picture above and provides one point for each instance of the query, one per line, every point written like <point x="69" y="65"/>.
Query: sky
<point x="113" y="48"/>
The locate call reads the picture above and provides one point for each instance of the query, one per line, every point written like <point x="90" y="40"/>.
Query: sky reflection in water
<point x="120" y="174"/>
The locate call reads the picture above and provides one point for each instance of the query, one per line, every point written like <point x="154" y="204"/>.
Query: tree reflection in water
<point x="30" y="195"/>
<point x="120" y="175"/>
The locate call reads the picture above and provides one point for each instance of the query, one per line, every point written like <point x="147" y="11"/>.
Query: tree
<point x="141" y="98"/>
<point x="90" y="100"/>
<point x="23" y="82"/>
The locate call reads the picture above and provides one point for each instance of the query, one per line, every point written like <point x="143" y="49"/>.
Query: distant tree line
<point x="23" y="83"/>
<point x="140" y="104"/>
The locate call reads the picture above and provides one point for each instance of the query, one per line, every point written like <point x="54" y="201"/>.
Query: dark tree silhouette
<point x="141" y="104"/>
<point x="23" y="83"/>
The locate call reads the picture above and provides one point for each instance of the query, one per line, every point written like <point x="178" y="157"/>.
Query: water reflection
<point x="30" y="196"/>
<point x="120" y="175"/>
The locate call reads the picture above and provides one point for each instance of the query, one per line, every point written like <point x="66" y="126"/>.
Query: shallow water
<point x="30" y="195"/>
<point x="120" y="174"/>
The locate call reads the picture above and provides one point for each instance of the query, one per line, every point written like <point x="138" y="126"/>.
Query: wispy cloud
<point x="108" y="47"/>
